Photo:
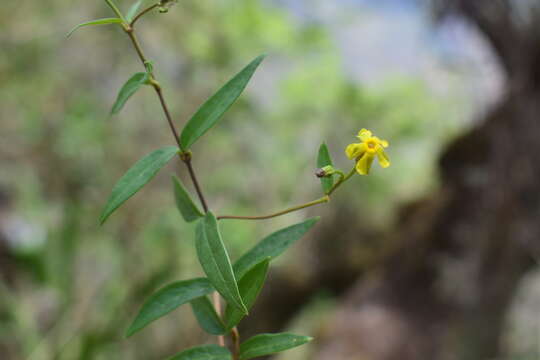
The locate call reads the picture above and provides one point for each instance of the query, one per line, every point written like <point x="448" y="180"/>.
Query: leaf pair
<point x="259" y="345"/>
<point x="208" y="114"/>
<point x="204" y="119"/>
<point x="251" y="269"/>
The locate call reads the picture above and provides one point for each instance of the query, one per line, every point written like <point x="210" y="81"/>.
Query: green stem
<point x="322" y="200"/>
<point x="116" y="10"/>
<point x="142" y="13"/>
<point x="131" y="33"/>
<point x="235" y="336"/>
<point x="342" y="180"/>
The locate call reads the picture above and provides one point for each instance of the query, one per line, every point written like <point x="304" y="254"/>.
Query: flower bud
<point x="326" y="171"/>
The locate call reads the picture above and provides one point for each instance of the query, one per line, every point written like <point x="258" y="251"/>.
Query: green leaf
<point x="250" y="286"/>
<point x="129" y="88"/>
<point x="96" y="22"/>
<point x="190" y="212"/>
<point x="204" y="352"/>
<point x="272" y="246"/>
<point x="133" y="10"/>
<point x="136" y="177"/>
<point x="167" y="299"/>
<point x="266" y="344"/>
<point x="207" y="317"/>
<point x="214" y="108"/>
<point x="215" y="260"/>
<point x="322" y="160"/>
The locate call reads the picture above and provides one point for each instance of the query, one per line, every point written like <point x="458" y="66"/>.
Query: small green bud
<point x="326" y="171"/>
<point x="164" y="5"/>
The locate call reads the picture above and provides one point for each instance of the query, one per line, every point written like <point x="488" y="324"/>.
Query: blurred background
<point x="432" y="258"/>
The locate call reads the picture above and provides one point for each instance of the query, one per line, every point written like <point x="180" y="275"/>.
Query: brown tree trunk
<point x="459" y="256"/>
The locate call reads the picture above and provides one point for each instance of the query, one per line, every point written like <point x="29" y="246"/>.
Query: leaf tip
<point x="129" y="332"/>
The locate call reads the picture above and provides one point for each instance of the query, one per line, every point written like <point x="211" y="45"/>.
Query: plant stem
<point x="185" y="156"/>
<point x="235" y="335"/>
<point x="142" y="13"/>
<point x="187" y="161"/>
<point x="342" y="180"/>
<point x="131" y="33"/>
<point x="217" y="306"/>
<point x="116" y="10"/>
<point x="322" y="200"/>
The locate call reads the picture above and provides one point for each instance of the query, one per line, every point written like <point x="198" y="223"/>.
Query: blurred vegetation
<point x="71" y="287"/>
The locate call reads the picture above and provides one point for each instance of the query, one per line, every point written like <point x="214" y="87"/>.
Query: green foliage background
<point x="78" y="285"/>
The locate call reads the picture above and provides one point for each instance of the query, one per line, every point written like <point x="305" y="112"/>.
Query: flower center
<point x="371" y="144"/>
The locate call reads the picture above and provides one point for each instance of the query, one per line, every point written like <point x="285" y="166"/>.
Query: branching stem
<point x="142" y="13"/>
<point x="185" y="156"/>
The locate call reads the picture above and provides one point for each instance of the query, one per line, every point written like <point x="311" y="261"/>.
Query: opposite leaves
<point x="214" y="108"/>
<point x="167" y="299"/>
<point x="266" y="344"/>
<point x="129" y="88"/>
<point x="215" y="261"/>
<point x="136" y="177"/>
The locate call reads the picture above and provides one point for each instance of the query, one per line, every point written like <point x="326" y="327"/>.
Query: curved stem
<point x="342" y="180"/>
<point x="142" y="13"/>
<point x="322" y="200"/>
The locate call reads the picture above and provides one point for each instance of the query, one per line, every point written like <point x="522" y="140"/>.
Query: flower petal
<point x="355" y="150"/>
<point x="383" y="158"/>
<point x="364" y="134"/>
<point x="364" y="164"/>
<point x="383" y="143"/>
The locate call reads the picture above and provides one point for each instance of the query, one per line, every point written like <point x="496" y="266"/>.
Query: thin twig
<point x="142" y="13"/>
<point x="187" y="161"/>
<point x="235" y="335"/>
<point x="322" y="200"/>
<point x="217" y="306"/>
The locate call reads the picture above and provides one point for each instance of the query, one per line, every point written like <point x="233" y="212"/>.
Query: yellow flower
<point x="365" y="152"/>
